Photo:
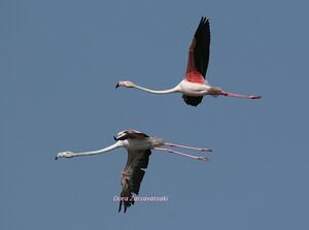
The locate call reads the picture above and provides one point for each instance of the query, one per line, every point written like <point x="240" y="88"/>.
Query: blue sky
<point x="59" y="62"/>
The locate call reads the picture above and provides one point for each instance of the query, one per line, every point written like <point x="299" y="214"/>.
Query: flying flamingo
<point x="194" y="86"/>
<point x="138" y="146"/>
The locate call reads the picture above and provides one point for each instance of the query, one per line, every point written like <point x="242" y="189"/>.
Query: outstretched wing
<point x="199" y="53"/>
<point x="132" y="177"/>
<point x="198" y="59"/>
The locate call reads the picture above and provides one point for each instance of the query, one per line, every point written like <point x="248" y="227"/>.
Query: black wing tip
<point x="204" y="20"/>
<point x="193" y="101"/>
<point x="126" y="205"/>
<point x="120" y="206"/>
<point x="126" y="200"/>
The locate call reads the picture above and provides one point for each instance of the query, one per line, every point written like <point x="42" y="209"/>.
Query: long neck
<point x="118" y="144"/>
<point x="166" y="91"/>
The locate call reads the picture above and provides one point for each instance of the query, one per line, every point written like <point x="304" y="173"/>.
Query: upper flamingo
<point x="195" y="85"/>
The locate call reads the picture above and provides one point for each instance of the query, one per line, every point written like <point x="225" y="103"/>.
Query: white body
<point x="142" y="144"/>
<point x="193" y="89"/>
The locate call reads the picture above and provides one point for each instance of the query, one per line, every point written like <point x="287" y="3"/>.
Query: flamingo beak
<point x="117" y="85"/>
<point x="115" y="138"/>
<point x="56" y="158"/>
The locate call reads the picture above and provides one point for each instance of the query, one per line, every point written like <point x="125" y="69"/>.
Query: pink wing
<point x="199" y="53"/>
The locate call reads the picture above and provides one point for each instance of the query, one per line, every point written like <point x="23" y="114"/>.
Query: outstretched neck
<point x="166" y="91"/>
<point x="118" y="144"/>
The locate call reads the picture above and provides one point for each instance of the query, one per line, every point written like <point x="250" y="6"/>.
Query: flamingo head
<point x="65" y="154"/>
<point x="126" y="84"/>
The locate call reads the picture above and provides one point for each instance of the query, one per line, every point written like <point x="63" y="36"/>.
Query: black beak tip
<point x="115" y="138"/>
<point x="117" y="85"/>
<point x="56" y="158"/>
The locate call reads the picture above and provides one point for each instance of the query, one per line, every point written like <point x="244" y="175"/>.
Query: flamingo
<point x="138" y="146"/>
<point x="195" y="84"/>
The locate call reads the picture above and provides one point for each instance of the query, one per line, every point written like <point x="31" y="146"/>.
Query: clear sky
<point x="59" y="63"/>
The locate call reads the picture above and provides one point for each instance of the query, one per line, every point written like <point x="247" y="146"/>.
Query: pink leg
<point x="227" y="94"/>
<point x="188" y="147"/>
<point x="182" y="154"/>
